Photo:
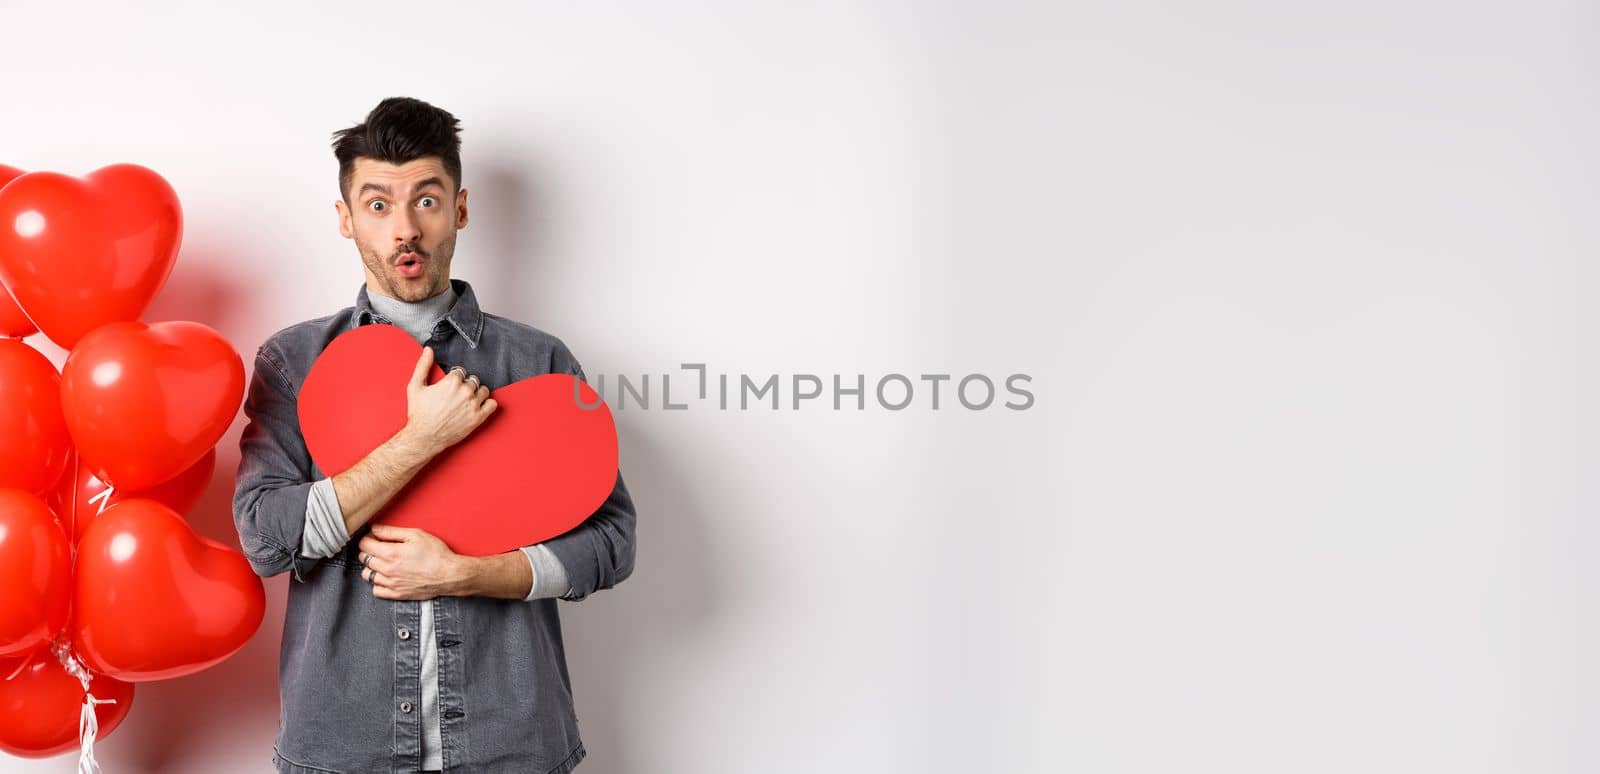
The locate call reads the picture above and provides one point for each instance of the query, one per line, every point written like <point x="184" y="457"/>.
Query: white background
<point x="1298" y="285"/>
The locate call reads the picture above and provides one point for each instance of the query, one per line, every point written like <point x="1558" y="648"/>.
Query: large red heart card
<point x="540" y="465"/>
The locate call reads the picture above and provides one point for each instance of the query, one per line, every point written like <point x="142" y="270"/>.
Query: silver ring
<point x="476" y="382"/>
<point x="454" y="369"/>
<point x="365" y="558"/>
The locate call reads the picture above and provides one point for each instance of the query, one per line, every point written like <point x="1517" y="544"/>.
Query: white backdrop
<point x="1300" y="286"/>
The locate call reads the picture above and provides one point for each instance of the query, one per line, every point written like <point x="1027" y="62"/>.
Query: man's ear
<point x="461" y="209"/>
<point x="344" y="219"/>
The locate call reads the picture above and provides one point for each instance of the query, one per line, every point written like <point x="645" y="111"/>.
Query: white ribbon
<point x="104" y="498"/>
<point x="88" y="721"/>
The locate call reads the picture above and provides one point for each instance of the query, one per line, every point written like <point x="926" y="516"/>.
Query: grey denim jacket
<point x="349" y="665"/>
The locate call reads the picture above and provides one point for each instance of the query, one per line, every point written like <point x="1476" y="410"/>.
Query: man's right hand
<point x="439" y="415"/>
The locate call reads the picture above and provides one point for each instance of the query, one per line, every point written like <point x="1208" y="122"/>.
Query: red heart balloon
<point x="179" y="493"/>
<point x="33" y="435"/>
<point x="155" y="600"/>
<point x="35" y="573"/>
<point x="79" y="253"/>
<point x="12" y="321"/>
<point x="144" y="402"/>
<point x="40" y="706"/>
<point x="537" y="467"/>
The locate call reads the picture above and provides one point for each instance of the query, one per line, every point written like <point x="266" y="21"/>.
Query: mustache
<point x="408" y="247"/>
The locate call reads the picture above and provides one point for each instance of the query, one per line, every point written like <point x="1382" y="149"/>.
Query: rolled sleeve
<point x="549" y="577"/>
<point x="274" y="480"/>
<point x="598" y="554"/>
<point x="325" y="531"/>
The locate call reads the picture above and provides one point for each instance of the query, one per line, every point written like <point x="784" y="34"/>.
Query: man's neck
<point x="417" y="318"/>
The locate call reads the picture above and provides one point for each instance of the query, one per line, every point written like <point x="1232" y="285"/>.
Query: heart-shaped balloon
<point x="144" y="402"/>
<point x="40" y="706"/>
<point x="35" y="573"/>
<point x="537" y="467"/>
<point x="79" y="253"/>
<point x="92" y="495"/>
<point x="12" y="321"/>
<point x="155" y="600"/>
<point x="34" y="444"/>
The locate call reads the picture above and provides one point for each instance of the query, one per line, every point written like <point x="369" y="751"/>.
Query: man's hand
<point x="437" y="416"/>
<point x="443" y="413"/>
<point x="410" y="564"/>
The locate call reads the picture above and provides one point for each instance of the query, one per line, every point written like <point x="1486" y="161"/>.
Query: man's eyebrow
<point x="383" y="189"/>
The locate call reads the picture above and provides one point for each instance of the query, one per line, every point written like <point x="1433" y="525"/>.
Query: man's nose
<point x="407" y="228"/>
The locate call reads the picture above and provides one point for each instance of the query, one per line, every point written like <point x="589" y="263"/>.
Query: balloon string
<point x="23" y="665"/>
<point x="103" y="497"/>
<point x="88" y="720"/>
<point x="88" y="726"/>
<point x="72" y="534"/>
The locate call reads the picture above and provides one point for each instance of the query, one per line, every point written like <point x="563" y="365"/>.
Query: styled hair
<point x="398" y="130"/>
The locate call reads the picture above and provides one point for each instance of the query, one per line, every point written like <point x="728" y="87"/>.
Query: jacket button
<point x="405" y="634"/>
<point x="405" y="706"/>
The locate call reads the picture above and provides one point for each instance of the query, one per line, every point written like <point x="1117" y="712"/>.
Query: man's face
<point x="404" y="220"/>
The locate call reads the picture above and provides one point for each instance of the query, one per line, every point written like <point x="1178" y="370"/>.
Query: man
<point x="399" y="655"/>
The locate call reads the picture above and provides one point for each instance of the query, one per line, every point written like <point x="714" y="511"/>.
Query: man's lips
<point x="409" y="265"/>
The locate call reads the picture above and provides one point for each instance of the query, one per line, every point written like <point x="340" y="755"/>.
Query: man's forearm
<point x="500" y="576"/>
<point x="366" y="486"/>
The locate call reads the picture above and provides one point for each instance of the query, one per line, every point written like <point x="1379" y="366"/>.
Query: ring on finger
<point x="476" y="382"/>
<point x="463" y="371"/>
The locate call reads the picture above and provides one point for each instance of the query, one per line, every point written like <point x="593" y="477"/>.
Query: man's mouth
<point x="409" y="264"/>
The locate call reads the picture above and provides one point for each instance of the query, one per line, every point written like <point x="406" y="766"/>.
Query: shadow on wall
<point x="506" y="236"/>
<point x="230" y="711"/>
<point x="632" y="629"/>
<point x="637" y="628"/>
<point x="199" y="291"/>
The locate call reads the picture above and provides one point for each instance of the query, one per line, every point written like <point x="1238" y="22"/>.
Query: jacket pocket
<point x="286" y="766"/>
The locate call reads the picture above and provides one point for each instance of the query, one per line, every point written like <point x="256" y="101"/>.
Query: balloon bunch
<point x="102" y="581"/>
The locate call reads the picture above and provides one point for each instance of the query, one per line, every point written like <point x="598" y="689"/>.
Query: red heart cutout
<point x="537" y="467"/>
<point x="79" y="253"/>
<point x="154" y="600"/>
<point x="144" y="402"/>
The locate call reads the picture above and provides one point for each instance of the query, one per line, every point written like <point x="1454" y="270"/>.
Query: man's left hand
<point x="409" y="564"/>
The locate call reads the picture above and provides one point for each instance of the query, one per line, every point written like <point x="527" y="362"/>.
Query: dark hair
<point x="398" y="130"/>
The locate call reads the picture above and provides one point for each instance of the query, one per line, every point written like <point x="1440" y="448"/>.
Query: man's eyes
<point x="379" y="205"/>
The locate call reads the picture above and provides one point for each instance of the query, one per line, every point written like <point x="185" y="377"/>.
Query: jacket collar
<point x="465" y="316"/>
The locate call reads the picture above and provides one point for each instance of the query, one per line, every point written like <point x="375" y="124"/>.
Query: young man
<point x="399" y="655"/>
